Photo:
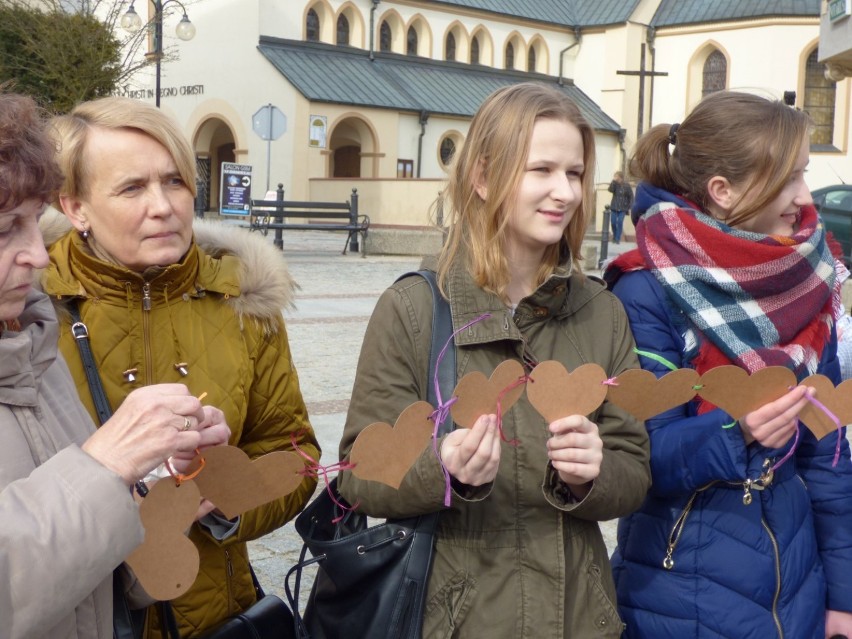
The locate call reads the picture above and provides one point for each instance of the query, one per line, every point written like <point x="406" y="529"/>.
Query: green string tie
<point x="657" y="358"/>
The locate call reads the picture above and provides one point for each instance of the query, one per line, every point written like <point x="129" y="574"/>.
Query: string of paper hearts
<point x="167" y="562"/>
<point x="385" y="453"/>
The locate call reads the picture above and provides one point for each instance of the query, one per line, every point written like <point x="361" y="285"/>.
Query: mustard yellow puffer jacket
<point x="218" y="314"/>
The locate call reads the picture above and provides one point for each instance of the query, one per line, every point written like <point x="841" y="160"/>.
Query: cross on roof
<point x="642" y="73"/>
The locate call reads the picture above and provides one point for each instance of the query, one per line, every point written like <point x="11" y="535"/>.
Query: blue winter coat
<point x="769" y="568"/>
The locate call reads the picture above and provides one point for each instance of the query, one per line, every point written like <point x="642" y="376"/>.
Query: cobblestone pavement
<point x="333" y="305"/>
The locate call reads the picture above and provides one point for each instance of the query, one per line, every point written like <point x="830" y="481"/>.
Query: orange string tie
<point x="180" y="477"/>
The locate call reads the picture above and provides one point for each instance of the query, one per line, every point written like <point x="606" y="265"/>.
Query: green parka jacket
<point x="516" y="558"/>
<point x="218" y="313"/>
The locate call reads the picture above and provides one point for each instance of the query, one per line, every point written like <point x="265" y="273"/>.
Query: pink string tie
<point x="314" y="469"/>
<point x="442" y="411"/>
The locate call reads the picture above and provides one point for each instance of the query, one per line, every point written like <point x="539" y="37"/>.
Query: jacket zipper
<point x="230" y="570"/>
<point x="146" y="343"/>
<point x="748" y="485"/>
<point x="677" y="529"/>
<point x="775" y="616"/>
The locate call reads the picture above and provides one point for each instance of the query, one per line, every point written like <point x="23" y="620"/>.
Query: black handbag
<point x="268" y="617"/>
<point x="371" y="581"/>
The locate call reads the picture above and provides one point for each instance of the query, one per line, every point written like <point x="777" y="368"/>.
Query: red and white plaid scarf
<point x="754" y="300"/>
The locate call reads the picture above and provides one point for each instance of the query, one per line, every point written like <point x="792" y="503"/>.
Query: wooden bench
<point x="341" y="216"/>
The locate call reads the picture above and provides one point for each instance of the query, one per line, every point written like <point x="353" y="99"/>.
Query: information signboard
<point x="235" y="189"/>
<point x="839" y="9"/>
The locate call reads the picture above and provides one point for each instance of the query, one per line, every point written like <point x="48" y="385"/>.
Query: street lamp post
<point x="185" y="30"/>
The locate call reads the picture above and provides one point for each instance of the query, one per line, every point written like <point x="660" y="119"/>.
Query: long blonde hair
<point x="495" y="154"/>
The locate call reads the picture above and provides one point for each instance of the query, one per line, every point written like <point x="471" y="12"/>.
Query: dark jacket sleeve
<point x="276" y="418"/>
<point x="391" y="375"/>
<point x="687" y="450"/>
<point x="828" y="487"/>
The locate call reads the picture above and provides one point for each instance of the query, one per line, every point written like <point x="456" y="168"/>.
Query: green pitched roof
<point x="345" y="75"/>
<point x="678" y="12"/>
<point x="568" y="13"/>
<point x="589" y="13"/>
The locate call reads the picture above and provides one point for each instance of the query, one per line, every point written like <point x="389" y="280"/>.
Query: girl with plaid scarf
<point x="747" y="529"/>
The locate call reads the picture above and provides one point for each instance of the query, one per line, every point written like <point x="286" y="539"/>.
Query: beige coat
<point x="65" y="520"/>
<point x="516" y="558"/>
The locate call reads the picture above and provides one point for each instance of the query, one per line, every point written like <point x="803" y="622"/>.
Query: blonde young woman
<point x="164" y="301"/>
<point x="519" y="551"/>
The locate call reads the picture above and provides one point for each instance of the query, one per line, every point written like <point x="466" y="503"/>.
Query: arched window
<point x="384" y="36"/>
<point x="342" y="29"/>
<point x="510" y="56"/>
<point x="312" y="26"/>
<point x="531" y="59"/>
<point x="450" y="48"/>
<point x="820" y="95"/>
<point x="715" y="73"/>
<point x="448" y="148"/>
<point x="411" y="48"/>
<point x="474" y="51"/>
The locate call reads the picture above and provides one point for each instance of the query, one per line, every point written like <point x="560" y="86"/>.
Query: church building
<point x="376" y="95"/>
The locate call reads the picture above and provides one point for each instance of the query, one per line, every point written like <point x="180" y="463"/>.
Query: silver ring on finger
<point x="186" y="424"/>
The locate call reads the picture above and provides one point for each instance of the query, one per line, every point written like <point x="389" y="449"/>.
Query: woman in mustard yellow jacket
<point x="164" y="302"/>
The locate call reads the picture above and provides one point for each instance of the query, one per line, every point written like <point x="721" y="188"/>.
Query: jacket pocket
<point x="606" y="621"/>
<point x="449" y="606"/>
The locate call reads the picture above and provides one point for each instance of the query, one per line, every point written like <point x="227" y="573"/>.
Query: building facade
<point x="378" y="93"/>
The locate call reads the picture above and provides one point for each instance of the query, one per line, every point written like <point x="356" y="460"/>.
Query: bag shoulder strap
<point x="127" y="623"/>
<point x="81" y="336"/>
<point x="442" y="332"/>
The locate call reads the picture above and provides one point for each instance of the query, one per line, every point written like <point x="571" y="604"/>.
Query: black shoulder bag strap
<point x="126" y="622"/>
<point x="81" y="336"/>
<point x="442" y="332"/>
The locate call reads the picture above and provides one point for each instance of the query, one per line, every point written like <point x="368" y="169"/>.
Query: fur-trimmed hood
<point x="212" y="322"/>
<point x="265" y="284"/>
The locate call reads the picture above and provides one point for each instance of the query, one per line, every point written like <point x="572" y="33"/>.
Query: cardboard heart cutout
<point x="737" y="393"/>
<point x="167" y="562"/>
<point x="477" y="395"/>
<point x="837" y="400"/>
<point x="385" y="454"/>
<point x="641" y="394"/>
<point x="556" y="393"/>
<point x="237" y="484"/>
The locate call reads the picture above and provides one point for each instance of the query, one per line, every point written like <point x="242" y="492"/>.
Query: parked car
<point x="834" y="204"/>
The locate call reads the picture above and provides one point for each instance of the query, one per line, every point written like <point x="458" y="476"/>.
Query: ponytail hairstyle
<point x="495" y="154"/>
<point x="750" y="140"/>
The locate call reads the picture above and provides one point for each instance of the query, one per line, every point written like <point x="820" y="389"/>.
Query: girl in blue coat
<point x="747" y="530"/>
